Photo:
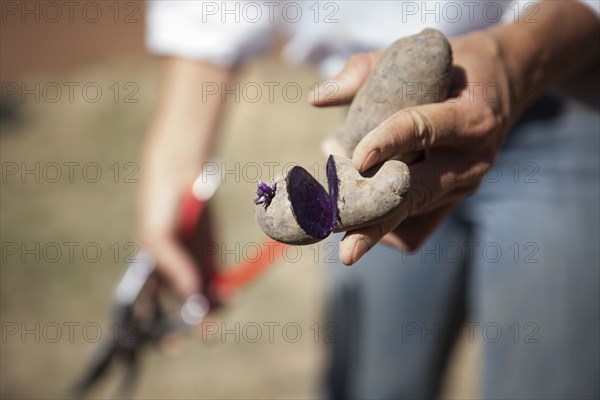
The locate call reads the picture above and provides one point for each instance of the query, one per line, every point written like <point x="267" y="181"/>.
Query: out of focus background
<point x="78" y="90"/>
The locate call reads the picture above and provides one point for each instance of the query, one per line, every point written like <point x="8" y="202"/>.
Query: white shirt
<point x="325" y="33"/>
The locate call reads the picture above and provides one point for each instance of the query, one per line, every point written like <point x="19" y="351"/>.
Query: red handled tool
<point x="229" y="280"/>
<point x="134" y="330"/>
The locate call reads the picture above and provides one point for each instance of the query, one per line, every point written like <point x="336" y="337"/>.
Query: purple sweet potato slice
<point x="297" y="196"/>
<point x="312" y="206"/>
<point x="303" y="212"/>
<point x="333" y="184"/>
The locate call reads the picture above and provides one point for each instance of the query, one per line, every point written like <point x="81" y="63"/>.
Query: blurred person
<point x="516" y="249"/>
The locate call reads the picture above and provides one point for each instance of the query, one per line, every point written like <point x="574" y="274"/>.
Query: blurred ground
<point x="73" y="291"/>
<point x="107" y="132"/>
<point x="59" y="35"/>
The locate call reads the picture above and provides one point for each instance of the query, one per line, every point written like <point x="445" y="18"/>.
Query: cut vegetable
<point x="302" y="211"/>
<point x="413" y="71"/>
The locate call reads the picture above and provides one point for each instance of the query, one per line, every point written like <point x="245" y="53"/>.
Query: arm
<point x="562" y="44"/>
<point x="462" y="136"/>
<point x="179" y="140"/>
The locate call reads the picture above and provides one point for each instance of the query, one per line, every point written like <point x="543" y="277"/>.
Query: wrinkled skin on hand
<point x="459" y="137"/>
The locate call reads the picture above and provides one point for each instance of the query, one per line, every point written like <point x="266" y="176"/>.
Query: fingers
<point x="201" y="247"/>
<point x="409" y="130"/>
<point x="342" y="88"/>
<point x="436" y="188"/>
<point x="177" y="266"/>
<point x="408" y="236"/>
<point x="454" y="197"/>
<point x="414" y="230"/>
<point x="357" y="242"/>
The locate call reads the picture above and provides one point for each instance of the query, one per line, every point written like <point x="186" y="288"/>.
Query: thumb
<point x="410" y="130"/>
<point x="341" y="88"/>
<point x="408" y="236"/>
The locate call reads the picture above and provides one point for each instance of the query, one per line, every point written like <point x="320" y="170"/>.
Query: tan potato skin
<point x="278" y="221"/>
<point x="369" y="198"/>
<point x="387" y="183"/>
<point x="414" y="70"/>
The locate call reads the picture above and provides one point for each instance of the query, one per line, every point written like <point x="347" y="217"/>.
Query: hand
<point x="181" y="255"/>
<point x="459" y="138"/>
<point x="180" y="137"/>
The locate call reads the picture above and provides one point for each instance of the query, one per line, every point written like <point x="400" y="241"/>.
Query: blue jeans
<point x="515" y="267"/>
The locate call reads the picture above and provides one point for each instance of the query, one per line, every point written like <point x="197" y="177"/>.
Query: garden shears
<point x="139" y="319"/>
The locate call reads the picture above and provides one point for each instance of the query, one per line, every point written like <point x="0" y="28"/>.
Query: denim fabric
<point x="518" y="262"/>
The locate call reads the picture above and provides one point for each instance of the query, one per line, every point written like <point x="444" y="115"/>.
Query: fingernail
<point x="345" y="255"/>
<point x="324" y="92"/>
<point x="371" y="160"/>
<point x="360" y="248"/>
